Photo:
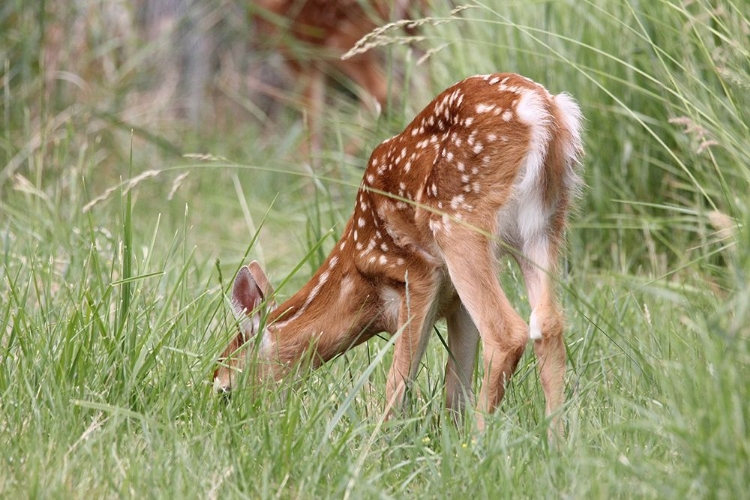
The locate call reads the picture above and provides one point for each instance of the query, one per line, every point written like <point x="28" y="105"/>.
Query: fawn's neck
<point x="336" y="310"/>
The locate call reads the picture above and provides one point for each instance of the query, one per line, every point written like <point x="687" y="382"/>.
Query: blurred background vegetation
<point x="663" y="88"/>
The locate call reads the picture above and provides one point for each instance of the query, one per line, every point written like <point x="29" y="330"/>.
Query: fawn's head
<point x="250" y="290"/>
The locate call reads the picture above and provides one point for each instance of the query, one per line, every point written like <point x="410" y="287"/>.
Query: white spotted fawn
<point x="489" y="167"/>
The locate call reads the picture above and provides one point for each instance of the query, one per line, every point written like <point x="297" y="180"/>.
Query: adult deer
<point x="488" y="167"/>
<point x="312" y="35"/>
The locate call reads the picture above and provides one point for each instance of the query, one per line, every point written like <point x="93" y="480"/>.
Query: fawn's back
<point x="489" y="166"/>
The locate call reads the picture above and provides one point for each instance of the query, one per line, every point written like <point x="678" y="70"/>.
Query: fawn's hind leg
<point x="504" y="334"/>
<point x="546" y="322"/>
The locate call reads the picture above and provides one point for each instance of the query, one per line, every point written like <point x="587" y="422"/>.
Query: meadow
<point x="125" y="214"/>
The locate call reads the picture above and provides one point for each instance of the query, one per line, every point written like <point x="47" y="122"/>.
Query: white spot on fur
<point x="391" y="302"/>
<point x="485" y="108"/>
<point x="346" y="288"/>
<point x="535" y="330"/>
<point x="456" y="201"/>
<point x="446" y="224"/>
<point x="313" y="294"/>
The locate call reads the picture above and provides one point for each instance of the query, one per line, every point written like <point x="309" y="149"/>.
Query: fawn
<point x="490" y="166"/>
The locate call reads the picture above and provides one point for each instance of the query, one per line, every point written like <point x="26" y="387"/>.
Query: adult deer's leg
<point x="311" y="78"/>
<point x="365" y="71"/>
<point x="504" y="334"/>
<point x="463" y="337"/>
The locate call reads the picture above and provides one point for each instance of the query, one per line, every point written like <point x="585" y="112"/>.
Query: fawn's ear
<point x="262" y="281"/>
<point x="247" y="296"/>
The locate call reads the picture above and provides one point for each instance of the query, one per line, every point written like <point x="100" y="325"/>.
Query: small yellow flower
<point x="426" y="440"/>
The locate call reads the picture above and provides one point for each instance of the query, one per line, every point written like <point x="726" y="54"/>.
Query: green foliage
<point x="116" y="254"/>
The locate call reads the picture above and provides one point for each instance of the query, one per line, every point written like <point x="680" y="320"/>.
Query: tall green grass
<point x="115" y="267"/>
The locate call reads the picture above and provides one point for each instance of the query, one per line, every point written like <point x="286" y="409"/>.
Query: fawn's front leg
<point x="463" y="338"/>
<point x="416" y="318"/>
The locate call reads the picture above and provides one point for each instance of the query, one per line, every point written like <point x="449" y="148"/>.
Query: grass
<point x="113" y="311"/>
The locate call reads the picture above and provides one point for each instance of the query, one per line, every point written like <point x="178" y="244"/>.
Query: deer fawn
<point x="490" y="166"/>
<point x="314" y="34"/>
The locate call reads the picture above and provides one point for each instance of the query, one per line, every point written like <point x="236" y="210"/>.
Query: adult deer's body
<point x="312" y="35"/>
<point x="489" y="166"/>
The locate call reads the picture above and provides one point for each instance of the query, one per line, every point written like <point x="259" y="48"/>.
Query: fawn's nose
<point x="222" y="389"/>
